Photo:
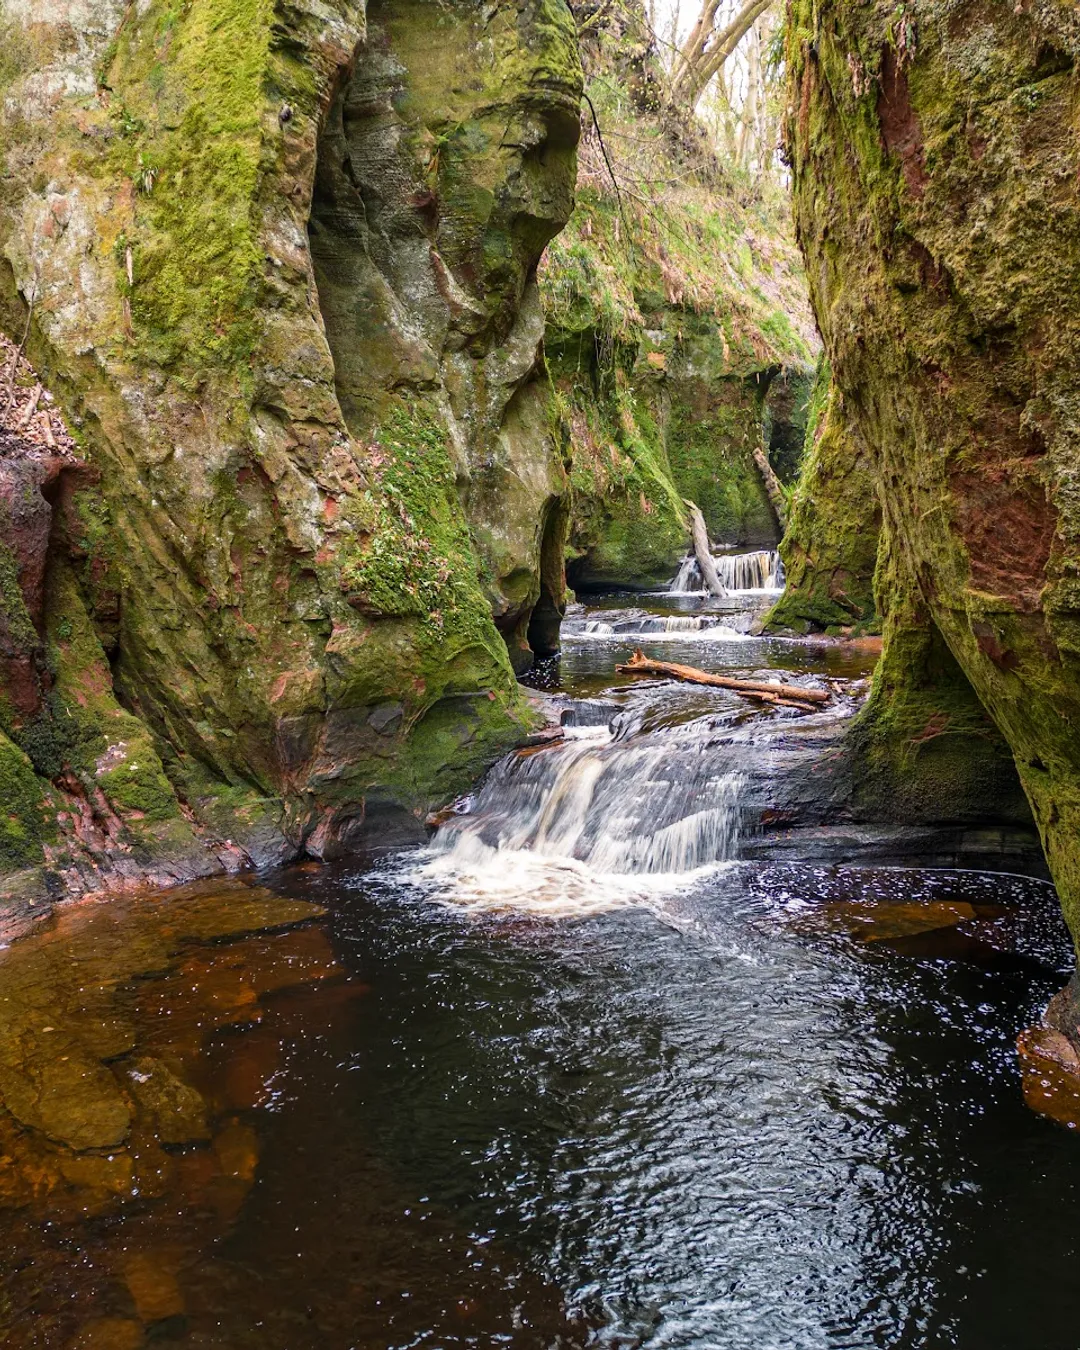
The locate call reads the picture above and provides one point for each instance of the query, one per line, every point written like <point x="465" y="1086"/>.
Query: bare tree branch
<point x="705" y="53"/>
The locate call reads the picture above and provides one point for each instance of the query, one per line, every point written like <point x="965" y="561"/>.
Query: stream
<point x="606" y="1064"/>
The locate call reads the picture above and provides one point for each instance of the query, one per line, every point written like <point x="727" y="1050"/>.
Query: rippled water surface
<point x="747" y="1106"/>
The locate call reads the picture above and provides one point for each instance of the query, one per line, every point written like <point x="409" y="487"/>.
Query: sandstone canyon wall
<point x="276" y="262"/>
<point x="935" y="153"/>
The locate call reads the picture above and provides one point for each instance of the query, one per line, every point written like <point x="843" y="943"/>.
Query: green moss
<point x="628" y="521"/>
<point x="15" y="622"/>
<point x="953" y="334"/>
<point x="716" y="424"/>
<point x="84" y="729"/>
<point x="21" y="810"/>
<point x="192" y="143"/>
<point x="431" y="649"/>
<point x="670" y="308"/>
<point x="926" y="748"/>
<point x="414" y="557"/>
<point x="17" y="54"/>
<point x="831" y="544"/>
<point x="681" y="255"/>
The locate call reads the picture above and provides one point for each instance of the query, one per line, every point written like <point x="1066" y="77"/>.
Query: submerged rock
<point x="115" y="1094"/>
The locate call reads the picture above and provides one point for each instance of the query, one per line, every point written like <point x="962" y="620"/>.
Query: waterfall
<point x="760" y="570"/>
<point x="688" y="577"/>
<point x="584" y="818"/>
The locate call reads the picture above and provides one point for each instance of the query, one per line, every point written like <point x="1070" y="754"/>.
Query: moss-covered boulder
<point x="935" y="158"/>
<point x="317" y="468"/>
<point x="830" y="546"/>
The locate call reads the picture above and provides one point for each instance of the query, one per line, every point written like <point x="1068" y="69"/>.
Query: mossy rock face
<point x="22" y="814"/>
<point x="924" y="747"/>
<point x="830" y="546"/>
<point x="446" y="165"/>
<point x="287" y="534"/>
<point x="716" y="423"/>
<point x="789" y="406"/>
<point x="934" y="158"/>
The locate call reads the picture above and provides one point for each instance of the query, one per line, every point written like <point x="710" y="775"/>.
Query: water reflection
<point x="615" y="1088"/>
<point x="724" y="1119"/>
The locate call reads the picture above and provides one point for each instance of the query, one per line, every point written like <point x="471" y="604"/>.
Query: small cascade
<point x="688" y="577"/>
<point x="576" y="822"/>
<point x="636" y="626"/>
<point x="760" y="570"/>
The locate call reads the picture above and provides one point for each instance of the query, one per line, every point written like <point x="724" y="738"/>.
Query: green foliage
<point x="690" y="251"/>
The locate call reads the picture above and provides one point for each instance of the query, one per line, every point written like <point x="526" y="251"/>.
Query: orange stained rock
<point x="152" y="1283"/>
<point x="1050" y="1068"/>
<point x="885" y="921"/>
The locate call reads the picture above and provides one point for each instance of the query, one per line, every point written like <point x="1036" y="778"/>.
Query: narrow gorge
<point x="537" y="796"/>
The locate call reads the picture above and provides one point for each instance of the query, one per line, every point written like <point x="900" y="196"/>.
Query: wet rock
<point x="108" y="1333"/>
<point x="1050" y="1068"/>
<point x="153" y="1286"/>
<point x="237" y="1149"/>
<point x="319" y="444"/>
<point x="50" y="1083"/>
<point x="952" y="336"/>
<point x="177" y="1111"/>
<point x="148" y="979"/>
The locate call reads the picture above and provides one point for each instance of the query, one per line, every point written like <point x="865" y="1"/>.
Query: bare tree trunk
<point x="745" y="140"/>
<point x="700" y="536"/>
<point x="702" y="58"/>
<point x="765" y="690"/>
<point x="772" y="486"/>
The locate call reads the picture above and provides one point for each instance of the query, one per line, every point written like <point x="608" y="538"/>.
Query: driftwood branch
<point x="700" y="536"/>
<point x="789" y="695"/>
<point x="30" y="409"/>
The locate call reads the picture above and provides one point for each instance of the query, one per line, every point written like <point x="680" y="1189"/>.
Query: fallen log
<point x="700" y="537"/>
<point x="766" y="691"/>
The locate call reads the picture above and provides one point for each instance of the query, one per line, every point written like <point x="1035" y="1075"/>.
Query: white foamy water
<point x="649" y="628"/>
<point x="759" y="570"/>
<point x="587" y="826"/>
